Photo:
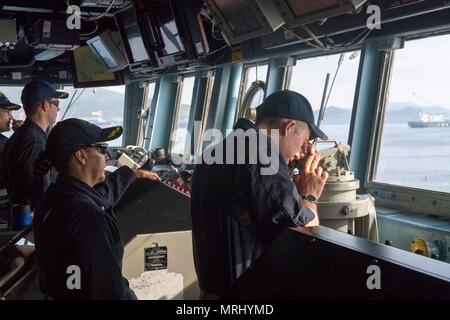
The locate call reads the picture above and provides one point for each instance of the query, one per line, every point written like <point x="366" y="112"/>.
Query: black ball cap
<point x="71" y="135"/>
<point x="290" y="105"/>
<point x="40" y="90"/>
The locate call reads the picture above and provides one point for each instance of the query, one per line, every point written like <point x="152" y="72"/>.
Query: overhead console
<point x="176" y="30"/>
<point x="136" y="41"/>
<point x="241" y="20"/>
<point x="301" y="12"/>
<point x="161" y="33"/>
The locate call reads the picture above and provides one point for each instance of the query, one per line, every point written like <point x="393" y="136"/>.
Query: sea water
<point x="412" y="157"/>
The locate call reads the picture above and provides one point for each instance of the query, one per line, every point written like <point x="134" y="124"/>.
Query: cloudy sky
<point x="420" y="75"/>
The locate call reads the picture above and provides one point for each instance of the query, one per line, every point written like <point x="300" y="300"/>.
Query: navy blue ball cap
<point x="40" y="90"/>
<point x="289" y="105"/>
<point x="71" y="135"/>
<point x="5" y="104"/>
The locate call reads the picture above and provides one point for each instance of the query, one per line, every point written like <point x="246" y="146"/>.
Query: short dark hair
<point x="273" y="122"/>
<point x="31" y="109"/>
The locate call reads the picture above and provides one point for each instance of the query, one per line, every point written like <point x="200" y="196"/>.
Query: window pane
<point x="252" y="74"/>
<point x="102" y="106"/>
<point x="415" y="146"/>
<point x="308" y="78"/>
<point x="151" y="93"/>
<point x="13" y="94"/>
<point x="183" y="115"/>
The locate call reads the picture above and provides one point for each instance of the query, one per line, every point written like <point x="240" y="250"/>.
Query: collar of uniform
<point x="33" y="125"/>
<point x="73" y="185"/>
<point x="245" y="124"/>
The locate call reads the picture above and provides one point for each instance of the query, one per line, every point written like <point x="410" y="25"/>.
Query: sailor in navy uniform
<point x="75" y="229"/>
<point x="41" y="105"/>
<point x="6" y="120"/>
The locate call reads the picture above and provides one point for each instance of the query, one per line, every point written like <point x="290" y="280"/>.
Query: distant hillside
<point x="404" y="112"/>
<point x="396" y="113"/>
<point x="109" y="102"/>
<point x="335" y="115"/>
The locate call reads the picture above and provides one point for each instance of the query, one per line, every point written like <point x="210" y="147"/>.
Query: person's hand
<point x="308" y="149"/>
<point x="144" y="174"/>
<point x="313" y="178"/>
<point x="16" y="124"/>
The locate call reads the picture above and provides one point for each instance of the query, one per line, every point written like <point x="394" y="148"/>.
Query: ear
<point x="45" y="105"/>
<point x="81" y="156"/>
<point x="287" y="127"/>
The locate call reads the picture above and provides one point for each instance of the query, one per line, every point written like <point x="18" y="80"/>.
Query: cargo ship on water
<point x="427" y="120"/>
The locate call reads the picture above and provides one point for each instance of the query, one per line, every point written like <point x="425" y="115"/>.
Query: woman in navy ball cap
<point x="78" y="242"/>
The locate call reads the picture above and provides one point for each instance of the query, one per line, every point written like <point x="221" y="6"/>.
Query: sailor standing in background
<point x="6" y="119"/>
<point x="40" y="102"/>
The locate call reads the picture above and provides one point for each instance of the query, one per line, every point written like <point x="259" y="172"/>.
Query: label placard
<point x="155" y="258"/>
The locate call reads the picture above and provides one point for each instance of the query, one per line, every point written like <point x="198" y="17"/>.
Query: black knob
<point x="388" y="242"/>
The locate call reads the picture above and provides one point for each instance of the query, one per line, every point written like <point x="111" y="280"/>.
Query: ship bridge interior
<point x="178" y="74"/>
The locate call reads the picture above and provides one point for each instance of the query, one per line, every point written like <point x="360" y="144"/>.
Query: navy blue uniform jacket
<point x="74" y="224"/>
<point x="236" y="213"/>
<point x="20" y="151"/>
<point x="4" y="199"/>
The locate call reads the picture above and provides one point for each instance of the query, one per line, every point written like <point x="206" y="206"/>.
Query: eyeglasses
<point x="54" y="102"/>
<point x="101" y="147"/>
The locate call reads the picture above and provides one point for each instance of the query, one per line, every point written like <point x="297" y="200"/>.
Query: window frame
<point x="205" y="109"/>
<point x="298" y="61"/>
<point x="242" y="94"/>
<point x="390" y="195"/>
<point x="176" y="112"/>
<point x="145" y="108"/>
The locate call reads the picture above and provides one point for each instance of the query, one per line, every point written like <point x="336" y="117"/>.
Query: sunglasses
<point x="56" y="103"/>
<point x="101" y="147"/>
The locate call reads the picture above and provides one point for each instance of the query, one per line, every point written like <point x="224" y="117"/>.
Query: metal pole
<point x="322" y="105"/>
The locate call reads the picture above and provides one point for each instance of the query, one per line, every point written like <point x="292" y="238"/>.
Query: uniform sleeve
<point x="116" y="184"/>
<point x="33" y="186"/>
<point x="276" y="202"/>
<point x="96" y="250"/>
<point x="3" y="141"/>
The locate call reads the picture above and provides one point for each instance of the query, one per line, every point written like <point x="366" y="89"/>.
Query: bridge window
<point x="308" y="78"/>
<point x="13" y="94"/>
<point x="146" y="114"/>
<point x="103" y="106"/>
<point x="414" y="146"/>
<point x="181" y="115"/>
<point x="205" y="110"/>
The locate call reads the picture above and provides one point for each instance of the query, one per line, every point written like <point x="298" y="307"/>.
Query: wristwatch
<point x="310" y="198"/>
